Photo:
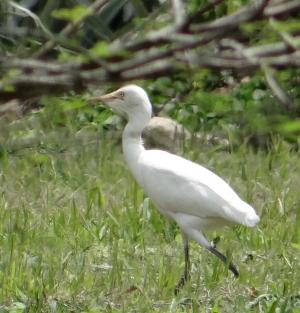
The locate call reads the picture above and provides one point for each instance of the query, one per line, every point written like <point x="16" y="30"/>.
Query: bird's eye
<point x="121" y="94"/>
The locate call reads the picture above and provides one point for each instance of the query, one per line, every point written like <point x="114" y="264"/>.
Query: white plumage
<point x="196" y="198"/>
<point x="177" y="185"/>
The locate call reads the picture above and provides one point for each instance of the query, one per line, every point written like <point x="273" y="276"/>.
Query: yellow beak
<point x="105" y="98"/>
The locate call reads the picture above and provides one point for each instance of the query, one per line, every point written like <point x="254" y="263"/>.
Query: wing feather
<point x="175" y="184"/>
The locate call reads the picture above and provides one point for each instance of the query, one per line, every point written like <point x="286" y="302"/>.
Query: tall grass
<point x="78" y="235"/>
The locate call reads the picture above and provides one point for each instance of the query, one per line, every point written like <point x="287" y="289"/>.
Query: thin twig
<point x="34" y="17"/>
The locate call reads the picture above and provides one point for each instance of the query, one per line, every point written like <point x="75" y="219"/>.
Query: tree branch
<point x="166" y="51"/>
<point x="277" y="90"/>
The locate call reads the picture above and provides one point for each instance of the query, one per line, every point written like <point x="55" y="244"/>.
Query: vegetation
<point x="78" y="235"/>
<point x="76" y="232"/>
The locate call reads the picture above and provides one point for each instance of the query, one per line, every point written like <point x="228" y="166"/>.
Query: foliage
<point x="78" y="235"/>
<point x="236" y="103"/>
<point x="211" y="101"/>
<point x="74" y="14"/>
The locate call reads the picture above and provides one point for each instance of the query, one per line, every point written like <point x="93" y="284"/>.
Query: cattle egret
<point x="196" y="198"/>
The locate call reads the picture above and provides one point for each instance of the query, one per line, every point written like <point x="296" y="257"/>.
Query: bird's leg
<point x="222" y="257"/>
<point x="186" y="274"/>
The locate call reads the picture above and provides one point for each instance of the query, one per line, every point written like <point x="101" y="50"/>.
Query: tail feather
<point x="242" y="213"/>
<point x="250" y="218"/>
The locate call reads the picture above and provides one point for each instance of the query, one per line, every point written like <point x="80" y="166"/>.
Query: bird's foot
<point x="223" y="258"/>
<point x="234" y="270"/>
<point x="180" y="284"/>
<point x="183" y="280"/>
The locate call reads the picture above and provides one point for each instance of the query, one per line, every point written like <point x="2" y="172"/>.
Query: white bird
<point x="193" y="196"/>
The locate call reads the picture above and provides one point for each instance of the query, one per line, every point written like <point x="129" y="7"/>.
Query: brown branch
<point x="221" y="62"/>
<point x="264" y="64"/>
<point x="224" y="25"/>
<point x="282" y="8"/>
<point x="280" y="94"/>
<point x="274" y="49"/>
<point x="234" y="20"/>
<point x="166" y="51"/>
<point x="26" y="86"/>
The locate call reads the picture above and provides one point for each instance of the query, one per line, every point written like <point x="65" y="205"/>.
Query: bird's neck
<point x="132" y="143"/>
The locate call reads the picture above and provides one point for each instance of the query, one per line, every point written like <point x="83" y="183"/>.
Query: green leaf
<point x="101" y="49"/>
<point x="216" y="309"/>
<point x="74" y="14"/>
<point x="7" y="80"/>
<point x="72" y="104"/>
<point x="290" y="127"/>
<point x="273" y="307"/>
<point x="39" y="159"/>
<point x="17" y="307"/>
<point x="289" y="26"/>
<point x="296" y="246"/>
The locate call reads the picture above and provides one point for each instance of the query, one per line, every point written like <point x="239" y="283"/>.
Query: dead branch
<point x="277" y="90"/>
<point x="166" y="51"/>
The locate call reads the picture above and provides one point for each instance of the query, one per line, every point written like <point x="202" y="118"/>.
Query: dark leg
<point x="186" y="274"/>
<point x="224" y="259"/>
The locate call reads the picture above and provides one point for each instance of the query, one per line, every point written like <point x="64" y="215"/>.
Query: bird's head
<point x="129" y="100"/>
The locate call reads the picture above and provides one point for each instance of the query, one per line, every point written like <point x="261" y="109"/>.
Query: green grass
<point x="78" y="235"/>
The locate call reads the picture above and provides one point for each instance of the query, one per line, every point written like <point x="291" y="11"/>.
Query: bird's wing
<point x="179" y="185"/>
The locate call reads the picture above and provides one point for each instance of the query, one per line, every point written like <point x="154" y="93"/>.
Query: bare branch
<point x="279" y="93"/>
<point x="277" y="90"/>
<point x="246" y="14"/>
<point x="282" y="8"/>
<point x="166" y="51"/>
<point x="179" y="13"/>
